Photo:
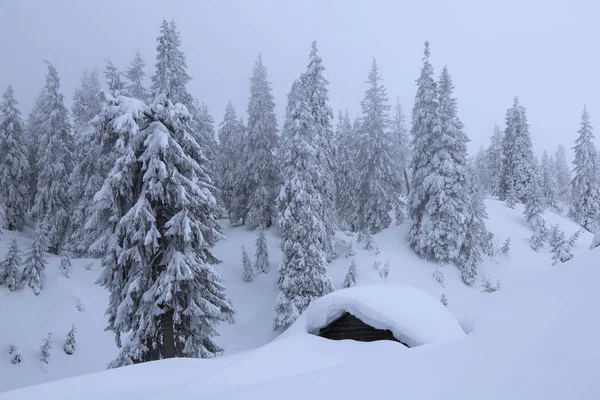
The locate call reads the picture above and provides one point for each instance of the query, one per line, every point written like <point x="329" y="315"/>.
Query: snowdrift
<point x="536" y="340"/>
<point x="413" y="316"/>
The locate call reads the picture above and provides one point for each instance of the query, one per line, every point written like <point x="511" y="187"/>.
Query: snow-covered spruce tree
<point x="350" y="279"/>
<point x="316" y="94"/>
<point x="9" y="268"/>
<point x="113" y="77"/>
<point x="561" y="247"/>
<point x="14" y="164"/>
<point x="105" y="141"/>
<point x="495" y="158"/>
<point x="70" y="343"/>
<point x="135" y="75"/>
<point x="534" y="203"/>
<point x="549" y="182"/>
<point x="518" y="163"/>
<point x="45" y="348"/>
<point x="164" y="293"/>
<point x="563" y="174"/>
<point x="345" y="155"/>
<point x="262" y="252"/>
<point x="259" y="167"/>
<point x="377" y="178"/>
<point x="476" y="232"/>
<point x="87" y="104"/>
<point x="204" y="128"/>
<point x="442" y="227"/>
<point x="34" y="271"/>
<point x="247" y="266"/>
<point x="505" y="249"/>
<point x="303" y="199"/>
<point x="65" y="266"/>
<point x="585" y="206"/>
<point x="33" y="136"/>
<point x="231" y="136"/>
<point x="401" y="143"/>
<point x="479" y="165"/>
<point x="52" y="206"/>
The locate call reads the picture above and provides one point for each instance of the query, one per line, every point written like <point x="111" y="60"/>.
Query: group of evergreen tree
<point x="139" y="177"/>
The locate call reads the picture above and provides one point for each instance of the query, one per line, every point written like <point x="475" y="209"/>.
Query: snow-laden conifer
<point x="517" y="169"/>
<point x="87" y="104"/>
<point x="45" y="348"/>
<point x="585" y="205"/>
<point x="563" y="174"/>
<point x="495" y="158"/>
<point x="345" y="158"/>
<point x="14" y="164"/>
<point x="34" y="271"/>
<point x="247" y="266"/>
<point x="376" y="180"/>
<point x="259" y="170"/>
<point x="113" y="77"/>
<point x="305" y="200"/>
<point x="164" y="293"/>
<point x="65" y="266"/>
<point x="262" y="252"/>
<point x="229" y="154"/>
<point x="52" y="206"/>
<point x="549" y="182"/>
<point x="70" y="342"/>
<point x="10" y="267"/>
<point x="135" y="75"/>
<point x="350" y="279"/>
<point x="534" y="203"/>
<point x="401" y="144"/>
<point x="385" y="271"/>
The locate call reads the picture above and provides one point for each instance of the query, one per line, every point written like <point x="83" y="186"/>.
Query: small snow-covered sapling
<point x="376" y="265"/>
<point x="262" y="253"/>
<point x="439" y="276"/>
<point x="89" y="266"/>
<point x="444" y="300"/>
<point x="247" y="266"/>
<point x="69" y="346"/>
<point x="16" y="357"/>
<point x="369" y="244"/>
<point x="351" y="252"/>
<point x="65" y="266"/>
<point x="488" y="287"/>
<point x="9" y="268"/>
<point x="80" y="306"/>
<point x="350" y="279"/>
<point x="377" y="251"/>
<point x="385" y="271"/>
<point x="45" y="349"/>
<point x="505" y="250"/>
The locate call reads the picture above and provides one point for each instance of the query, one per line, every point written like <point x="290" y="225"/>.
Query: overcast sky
<point x="544" y="51"/>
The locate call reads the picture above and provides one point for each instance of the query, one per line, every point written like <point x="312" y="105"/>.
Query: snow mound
<point x="413" y="316"/>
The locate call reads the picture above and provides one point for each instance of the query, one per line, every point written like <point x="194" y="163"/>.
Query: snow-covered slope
<point x="26" y="319"/>
<point x="535" y="340"/>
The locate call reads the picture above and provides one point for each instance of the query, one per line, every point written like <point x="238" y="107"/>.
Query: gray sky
<point x="544" y="51"/>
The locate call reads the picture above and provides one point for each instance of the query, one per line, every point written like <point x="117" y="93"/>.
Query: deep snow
<point x="541" y="314"/>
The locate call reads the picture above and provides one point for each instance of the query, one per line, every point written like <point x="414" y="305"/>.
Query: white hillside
<point x="518" y="336"/>
<point x="28" y="319"/>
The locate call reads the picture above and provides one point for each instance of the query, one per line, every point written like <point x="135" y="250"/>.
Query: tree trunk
<point x="168" y="335"/>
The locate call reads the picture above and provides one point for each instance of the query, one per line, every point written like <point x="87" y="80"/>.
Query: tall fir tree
<point x="377" y="178"/>
<point x="135" y="74"/>
<point x="14" y="163"/>
<point x="259" y="169"/>
<point x="563" y="174"/>
<point x="549" y="182"/>
<point x="534" y="199"/>
<point x="168" y="299"/>
<point x="585" y="205"/>
<point x="517" y="149"/>
<point x="113" y="77"/>
<point x="495" y="161"/>
<point x="481" y="169"/>
<point x="401" y="143"/>
<point x="87" y="104"/>
<point x="229" y="154"/>
<point x="345" y="155"/>
<point x="262" y="252"/>
<point x="303" y="199"/>
<point x="425" y="129"/>
<point x="442" y="228"/>
<point x="52" y="206"/>
<point x="33" y="136"/>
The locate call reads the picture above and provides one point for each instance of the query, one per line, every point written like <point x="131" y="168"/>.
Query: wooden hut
<point x="349" y="327"/>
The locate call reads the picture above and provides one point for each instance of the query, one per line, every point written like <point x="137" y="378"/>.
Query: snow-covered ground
<point x="535" y="338"/>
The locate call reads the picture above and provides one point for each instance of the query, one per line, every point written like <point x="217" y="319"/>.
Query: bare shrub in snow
<point x="16" y="357"/>
<point x="80" y="306"/>
<point x="385" y="271"/>
<point x="376" y="265"/>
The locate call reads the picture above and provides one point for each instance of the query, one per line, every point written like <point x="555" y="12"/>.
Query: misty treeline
<point x="140" y="177"/>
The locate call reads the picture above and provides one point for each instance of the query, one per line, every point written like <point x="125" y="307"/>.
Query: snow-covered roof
<point x="413" y="316"/>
